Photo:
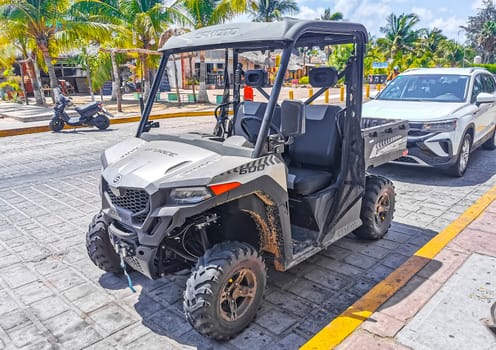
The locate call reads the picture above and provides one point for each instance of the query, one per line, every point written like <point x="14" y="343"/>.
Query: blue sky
<point x="447" y="15"/>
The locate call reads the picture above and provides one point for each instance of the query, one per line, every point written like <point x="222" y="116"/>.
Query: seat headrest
<point x="255" y="77"/>
<point x="323" y="77"/>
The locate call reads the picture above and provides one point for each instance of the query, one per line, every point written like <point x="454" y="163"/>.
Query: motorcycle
<point x="92" y="114"/>
<point x="128" y="86"/>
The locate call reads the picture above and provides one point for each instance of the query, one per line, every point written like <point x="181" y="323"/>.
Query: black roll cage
<point x="308" y="36"/>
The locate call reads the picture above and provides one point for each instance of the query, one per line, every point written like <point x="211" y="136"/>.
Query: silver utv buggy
<point x="277" y="182"/>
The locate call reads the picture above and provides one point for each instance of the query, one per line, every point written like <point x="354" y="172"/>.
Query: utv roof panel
<point x="274" y="34"/>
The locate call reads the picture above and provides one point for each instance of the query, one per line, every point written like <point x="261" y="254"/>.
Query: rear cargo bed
<point x="385" y="140"/>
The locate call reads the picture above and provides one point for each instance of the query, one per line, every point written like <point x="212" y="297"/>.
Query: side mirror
<point x="255" y="78"/>
<point x="485" y="97"/>
<point x="292" y="118"/>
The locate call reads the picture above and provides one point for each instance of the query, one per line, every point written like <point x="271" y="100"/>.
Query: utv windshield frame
<point x="286" y="35"/>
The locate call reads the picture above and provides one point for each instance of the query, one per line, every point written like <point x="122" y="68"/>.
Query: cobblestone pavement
<point x="53" y="297"/>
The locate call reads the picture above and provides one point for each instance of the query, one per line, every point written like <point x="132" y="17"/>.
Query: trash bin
<point x="172" y="96"/>
<point x="218" y="99"/>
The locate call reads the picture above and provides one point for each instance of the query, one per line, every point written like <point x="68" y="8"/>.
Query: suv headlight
<point x="190" y="195"/>
<point x="440" y="126"/>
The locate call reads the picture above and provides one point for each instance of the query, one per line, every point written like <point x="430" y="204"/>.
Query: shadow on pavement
<point x="298" y="302"/>
<point x="481" y="167"/>
<point x="81" y="130"/>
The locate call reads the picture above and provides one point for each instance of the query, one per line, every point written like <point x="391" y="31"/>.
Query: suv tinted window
<point x="489" y="84"/>
<point x="478" y="87"/>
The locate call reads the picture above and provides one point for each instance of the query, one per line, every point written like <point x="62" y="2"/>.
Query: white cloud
<point x="476" y="4"/>
<point x="450" y="27"/>
<point x="309" y="13"/>
<point x="372" y="14"/>
<point x="423" y="13"/>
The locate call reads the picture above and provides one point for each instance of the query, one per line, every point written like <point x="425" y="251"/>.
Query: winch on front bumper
<point x="139" y="258"/>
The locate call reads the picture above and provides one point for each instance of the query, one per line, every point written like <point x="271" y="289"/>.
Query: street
<point x="52" y="296"/>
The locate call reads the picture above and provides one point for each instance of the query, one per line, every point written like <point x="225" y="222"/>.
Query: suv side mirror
<point x="292" y="118"/>
<point x="485" y="97"/>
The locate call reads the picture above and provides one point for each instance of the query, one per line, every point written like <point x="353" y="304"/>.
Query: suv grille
<point x="137" y="201"/>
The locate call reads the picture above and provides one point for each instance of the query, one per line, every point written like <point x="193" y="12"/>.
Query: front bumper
<point x="431" y="150"/>
<point x="140" y="258"/>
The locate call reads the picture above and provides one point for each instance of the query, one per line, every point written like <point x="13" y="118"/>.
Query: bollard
<point x="326" y="96"/>
<point x="341" y="93"/>
<point x="291" y="94"/>
<point x="378" y="87"/>
<point x="310" y="92"/>
<point x="367" y="90"/>
<point x="248" y="93"/>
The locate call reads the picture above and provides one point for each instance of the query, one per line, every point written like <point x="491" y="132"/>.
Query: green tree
<point x="477" y="29"/>
<point x="146" y="20"/>
<point x="428" y="46"/>
<point x="328" y="16"/>
<point x="52" y="26"/>
<point x="400" y="35"/>
<point x="13" y="41"/>
<point x="273" y="10"/>
<point x="486" y="41"/>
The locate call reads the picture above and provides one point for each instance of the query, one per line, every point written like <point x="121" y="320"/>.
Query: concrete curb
<point x="346" y="323"/>
<point x="45" y="128"/>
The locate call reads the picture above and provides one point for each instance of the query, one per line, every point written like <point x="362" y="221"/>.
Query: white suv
<point x="451" y="112"/>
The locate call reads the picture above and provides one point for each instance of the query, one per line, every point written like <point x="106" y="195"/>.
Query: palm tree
<point x="400" y="34"/>
<point x="146" y="20"/>
<point x="328" y="16"/>
<point x="429" y="45"/>
<point x="139" y="26"/>
<point x="204" y="13"/>
<point x="273" y="10"/>
<point x="49" y="23"/>
<point x="13" y="36"/>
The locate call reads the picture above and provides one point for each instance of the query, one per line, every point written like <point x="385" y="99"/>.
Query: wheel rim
<point x="464" y="154"/>
<point x="382" y="208"/>
<point x="57" y="124"/>
<point x="238" y="294"/>
<point x="103" y="122"/>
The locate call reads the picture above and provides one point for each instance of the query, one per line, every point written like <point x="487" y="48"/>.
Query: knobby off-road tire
<point x="56" y="124"/>
<point x="225" y="290"/>
<point x="100" y="250"/>
<point x="377" y="208"/>
<point x="458" y="169"/>
<point x="491" y="143"/>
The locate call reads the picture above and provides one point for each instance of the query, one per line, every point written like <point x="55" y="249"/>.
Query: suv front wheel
<point x="460" y="166"/>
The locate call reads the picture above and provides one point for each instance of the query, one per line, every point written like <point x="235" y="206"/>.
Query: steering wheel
<point x="253" y="138"/>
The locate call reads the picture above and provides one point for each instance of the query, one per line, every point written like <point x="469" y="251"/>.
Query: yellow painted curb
<point x="45" y="128"/>
<point x="342" y="326"/>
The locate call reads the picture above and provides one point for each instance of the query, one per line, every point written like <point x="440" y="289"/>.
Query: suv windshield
<point x="428" y="87"/>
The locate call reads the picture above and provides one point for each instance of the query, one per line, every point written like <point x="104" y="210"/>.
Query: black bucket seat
<point x="315" y="154"/>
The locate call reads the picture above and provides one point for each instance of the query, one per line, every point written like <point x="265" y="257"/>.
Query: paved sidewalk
<point x="15" y="116"/>
<point x="446" y="305"/>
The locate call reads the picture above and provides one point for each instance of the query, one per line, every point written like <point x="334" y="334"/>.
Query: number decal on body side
<point x="252" y="167"/>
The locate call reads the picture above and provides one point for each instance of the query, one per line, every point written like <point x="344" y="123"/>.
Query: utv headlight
<point x="439" y="126"/>
<point x="190" y="195"/>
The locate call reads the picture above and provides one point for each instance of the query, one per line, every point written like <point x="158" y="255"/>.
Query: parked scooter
<point x="92" y="114"/>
